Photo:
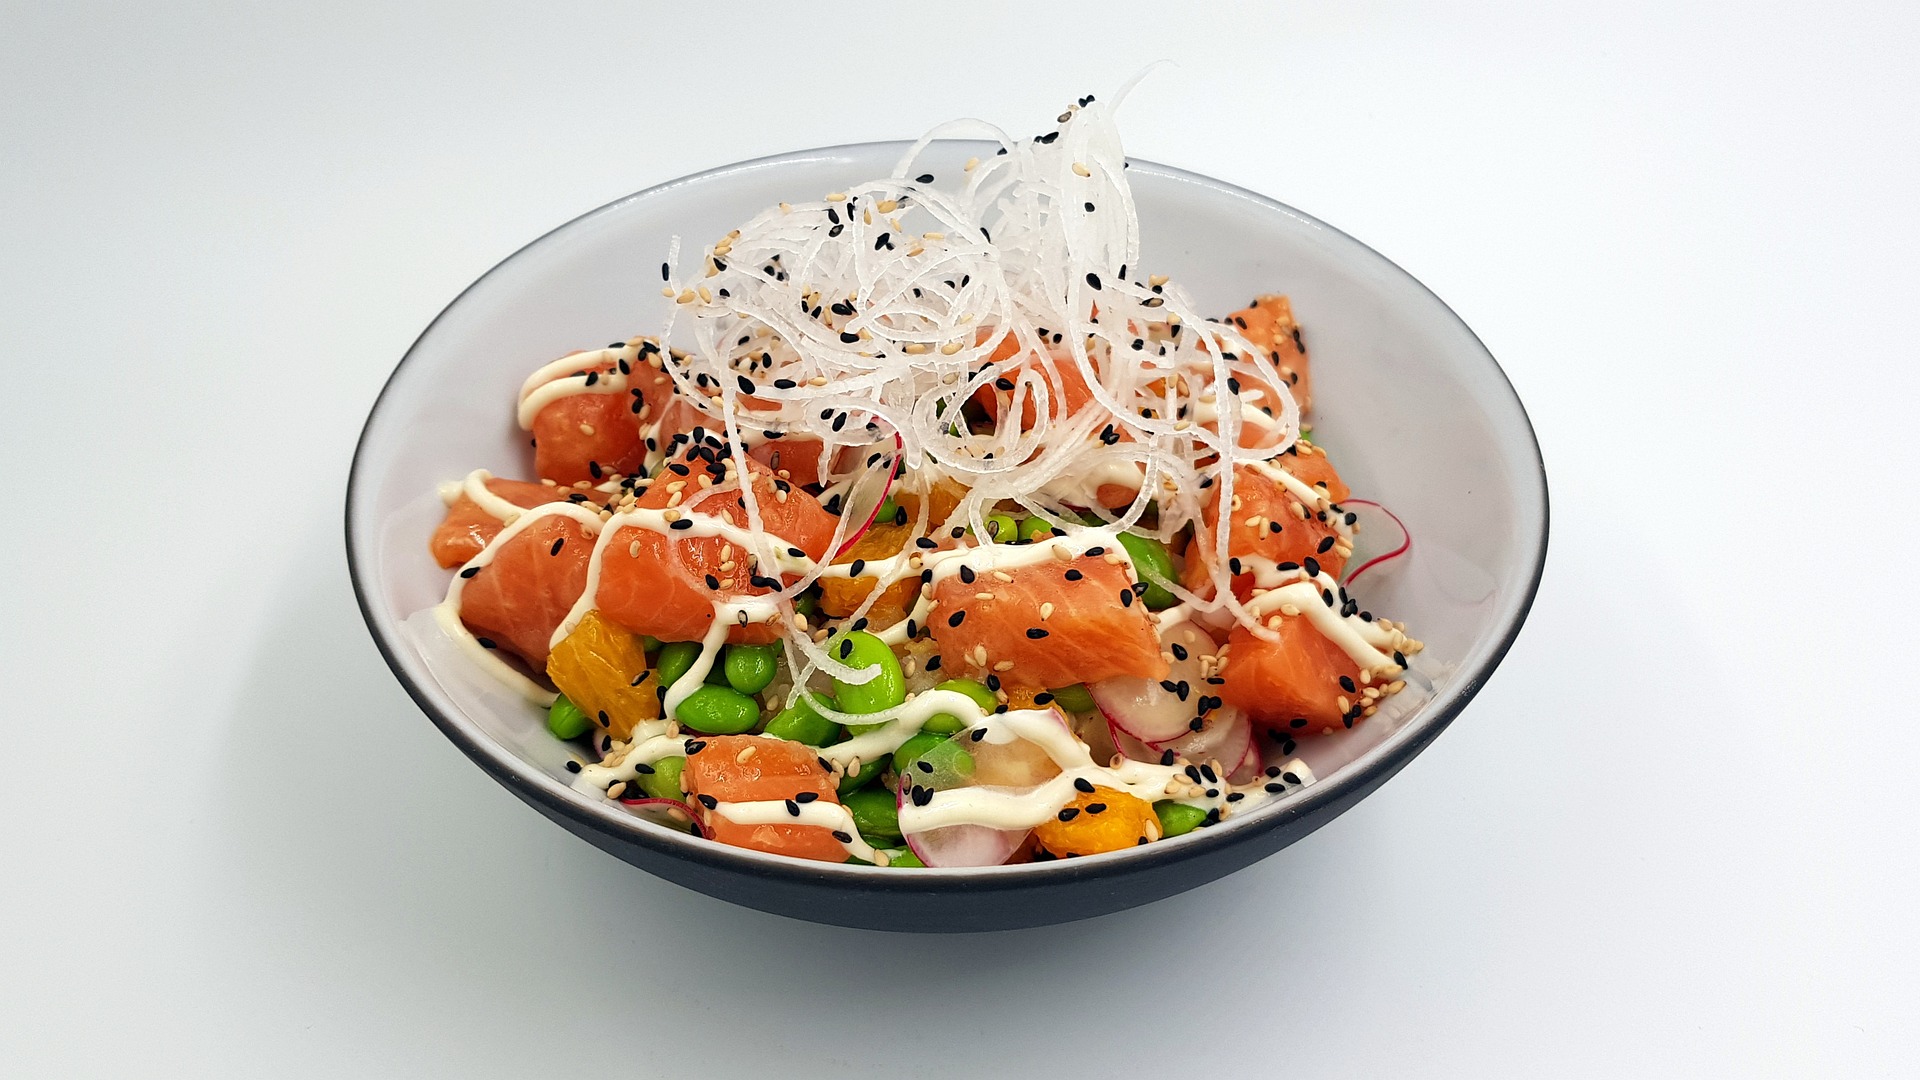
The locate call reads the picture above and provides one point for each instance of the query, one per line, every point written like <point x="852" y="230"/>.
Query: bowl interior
<point x="1414" y="411"/>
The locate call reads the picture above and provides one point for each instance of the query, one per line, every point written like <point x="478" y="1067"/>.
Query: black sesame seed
<point x="842" y="837"/>
<point x="1081" y="783"/>
<point x="849" y="338"/>
<point x="957" y="618"/>
<point x="967" y="575"/>
<point x="1035" y="633"/>
<point x="793" y="808"/>
<point x="1096" y="808"/>
<point x="682" y="524"/>
<point x="486" y="643"/>
<point x="1069" y="813"/>
<point x="708" y="801"/>
<point x="1074" y="575"/>
<point x="573" y="766"/>
<point x="1093" y="280"/>
<point x="469" y="571"/>
<point x="924" y="766"/>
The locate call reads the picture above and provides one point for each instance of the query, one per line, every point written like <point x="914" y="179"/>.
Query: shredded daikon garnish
<point x="869" y="318"/>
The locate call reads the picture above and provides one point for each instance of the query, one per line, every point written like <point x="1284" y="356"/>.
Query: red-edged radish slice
<point x="1225" y="737"/>
<point x="1131" y="746"/>
<point x="1249" y="766"/>
<point x="1155" y="711"/>
<point x="1372" y="520"/>
<point x="667" y="808"/>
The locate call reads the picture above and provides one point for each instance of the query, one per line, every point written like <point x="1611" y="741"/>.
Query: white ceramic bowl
<point x="1415" y="412"/>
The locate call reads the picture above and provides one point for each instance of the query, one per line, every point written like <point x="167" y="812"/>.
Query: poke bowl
<point x="1445" y="527"/>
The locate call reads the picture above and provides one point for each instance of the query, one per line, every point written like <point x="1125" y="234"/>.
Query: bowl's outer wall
<point x="1447" y="443"/>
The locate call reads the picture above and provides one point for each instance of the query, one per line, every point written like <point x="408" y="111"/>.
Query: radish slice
<point x="1015" y="765"/>
<point x="1226" y="738"/>
<point x="663" y="808"/>
<point x="1146" y="708"/>
<point x="862" y="502"/>
<point x="1249" y="766"/>
<point x="1131" y="746"/>
<point x="1405" y="545"/>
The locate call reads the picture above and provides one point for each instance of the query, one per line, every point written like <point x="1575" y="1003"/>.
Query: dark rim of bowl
<point x="536" y="787"/>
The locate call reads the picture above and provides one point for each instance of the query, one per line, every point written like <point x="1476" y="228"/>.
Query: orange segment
<point x="603" y="669"/>
<point x="1104" y="819"/>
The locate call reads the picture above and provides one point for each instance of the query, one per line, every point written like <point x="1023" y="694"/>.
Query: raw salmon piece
<point x="797" y="458"/>
<point x="775" y="769"/>
<point x="652" y="584"/>
<point x="518" y="600"/>
<point x="1269" y="324"/>
<point x="588" y="436"/>
<point x="467" y="529"/>
<point x="1293" y="685"/>
<point x="1095" y="629"/>
<point x="1263" y="505"/>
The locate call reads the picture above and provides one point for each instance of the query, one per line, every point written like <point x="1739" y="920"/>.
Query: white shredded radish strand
<point x="874" y="316"/>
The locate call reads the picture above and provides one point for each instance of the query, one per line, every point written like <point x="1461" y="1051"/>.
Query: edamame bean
<point x="1074" y="699"/>
<point x="718" y="710"/>
<point x="1033" y="528"/>
<point x="886" y="689"/>
<point x="649" y="643"/>
<point x="801" y="723"/>
<point x="664" y="781"/>
<point x="1177" y="817"/>
<point x="854" y="781"/>
<point x="876" y="814"/>
<point x="1002" y="529"/>
<point x="750" y="668"/>
<point x="1150" y="559"/>
<point x="565" y="719"/>
<point x="676" y="658"/>
<point x="947" y="723"/>
<point x="906" y="858"/>
<point x="887" y="511"/>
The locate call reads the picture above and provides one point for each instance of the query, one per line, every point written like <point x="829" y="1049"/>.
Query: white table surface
<point x="1675" y="836"/>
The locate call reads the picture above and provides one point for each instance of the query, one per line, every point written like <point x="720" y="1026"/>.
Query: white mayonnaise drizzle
<point x="550" y="382"/>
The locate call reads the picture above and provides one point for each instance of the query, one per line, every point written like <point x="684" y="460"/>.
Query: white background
<point x="1675" y="836"/>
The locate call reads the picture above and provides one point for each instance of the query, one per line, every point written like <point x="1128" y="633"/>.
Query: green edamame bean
<point x="565" y="719"/>
<point x="947" y="723"/>
<point x="718" y="710"/>
<point x="1074" y="699"/>
<point x="1176" y="818"/>
<point x="664" y="781"/>
<point x="876" y="814"/>
<point x="676" y="658"/>
<point x="649" y="643"/>
<point x="1151" y="559"/>
<point x="907" y="859"/>
<point x="1033" y="528"/>
<point x="801" y="723"/>
<point x="887" y="511"/>
<point x="1002" y="529"/>
<point x="887" y="688"/>
<point x="854" y="781"/>
<point x="807" y="603"/>
<point x="750" y="668"/>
